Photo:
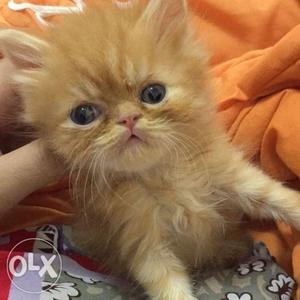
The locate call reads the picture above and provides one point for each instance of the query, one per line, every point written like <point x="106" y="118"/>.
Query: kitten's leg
<point x="162" y="275"/>
<point x="153" y="264"/>
<point x="262" y="197"/>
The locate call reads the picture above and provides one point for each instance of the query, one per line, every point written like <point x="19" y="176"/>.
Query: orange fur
<point x="161" y="208"/>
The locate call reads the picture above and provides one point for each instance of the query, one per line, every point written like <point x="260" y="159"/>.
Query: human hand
<point x="25" y="170"/>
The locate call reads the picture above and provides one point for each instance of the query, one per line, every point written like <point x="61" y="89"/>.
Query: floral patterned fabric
<point x="257" y="278"/>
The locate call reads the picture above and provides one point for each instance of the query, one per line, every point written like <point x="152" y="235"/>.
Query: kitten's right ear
<point x="23" y="49"/>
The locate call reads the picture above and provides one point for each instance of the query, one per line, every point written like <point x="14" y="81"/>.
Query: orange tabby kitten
<point x="123" y="96"/>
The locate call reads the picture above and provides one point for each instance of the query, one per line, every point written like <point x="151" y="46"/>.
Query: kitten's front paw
<point x="295" y="222"/>
<point x="293" y="218"/>
<point x="288" y="208"/>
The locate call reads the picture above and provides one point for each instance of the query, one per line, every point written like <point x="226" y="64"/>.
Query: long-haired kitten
<point x="122" y="95"/>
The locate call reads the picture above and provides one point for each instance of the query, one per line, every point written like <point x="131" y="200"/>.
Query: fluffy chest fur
<point x="185" y="213"/>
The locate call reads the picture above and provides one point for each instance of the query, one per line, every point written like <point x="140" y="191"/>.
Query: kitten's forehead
<point x="112" y="73"/>
<point x="86" y="88"/>
<point x="108" y="54"/>
<point x="107" y="45"/>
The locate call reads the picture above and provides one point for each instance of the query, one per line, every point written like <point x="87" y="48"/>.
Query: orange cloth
<point x="255" y="48"/>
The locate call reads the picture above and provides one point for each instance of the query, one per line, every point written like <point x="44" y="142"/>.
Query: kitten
<point x="124" y="97"/>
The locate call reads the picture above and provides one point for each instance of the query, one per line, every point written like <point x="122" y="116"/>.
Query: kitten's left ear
<point x="23" y="49"/>
<point x="167" y="15"/>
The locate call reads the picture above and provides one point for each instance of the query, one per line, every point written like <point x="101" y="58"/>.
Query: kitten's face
<point x="120" y="89"/>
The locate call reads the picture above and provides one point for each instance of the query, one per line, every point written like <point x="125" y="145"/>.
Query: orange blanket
<point x="255" y="48"/>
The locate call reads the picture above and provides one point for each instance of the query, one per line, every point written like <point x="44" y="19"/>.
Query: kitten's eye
<point x="153" y="94"/>
<point x="84" y="114"/>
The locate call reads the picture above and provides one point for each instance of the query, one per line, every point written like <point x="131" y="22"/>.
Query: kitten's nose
<point x="129" y="120"/>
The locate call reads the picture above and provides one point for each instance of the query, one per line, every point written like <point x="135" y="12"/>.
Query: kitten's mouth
<point x="134" y="139"/>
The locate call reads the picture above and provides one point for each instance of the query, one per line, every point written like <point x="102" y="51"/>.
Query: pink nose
<point x="129" y="120"/>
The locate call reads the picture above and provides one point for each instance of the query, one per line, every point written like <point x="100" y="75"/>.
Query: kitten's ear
<point x="167" y="15"/>
<point x="23" y="49"/>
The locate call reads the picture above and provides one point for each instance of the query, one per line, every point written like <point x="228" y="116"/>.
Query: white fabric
<point x="43" y="11"/>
